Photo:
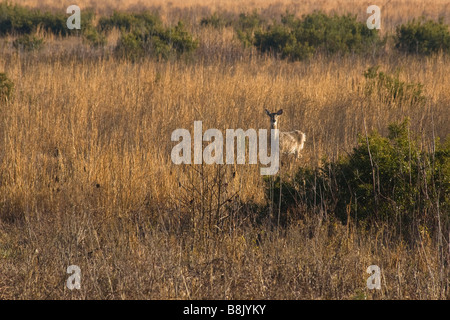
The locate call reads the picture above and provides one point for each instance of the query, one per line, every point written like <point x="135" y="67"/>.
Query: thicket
<point x="15" y="19"/>
<point x="384" y="179"/>
<point x="6" y="87"/>
<point x="390" y="90"/>
<point x="28" y="42"/>
<point x="390" y="179"/>
<point x="423" y="37"/>
<point x="217" y="21"/>
<point x="288" y="38"/>
<point x="125" y="21"/>
<point x="24" y="22"/>
<point x="247" y="25"/>
<point x="299" y="39"/>
<point x="144" y="35"/>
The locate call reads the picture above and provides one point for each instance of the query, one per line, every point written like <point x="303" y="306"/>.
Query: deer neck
<point x="274" y="126"/>
<point x="269" y="136"/>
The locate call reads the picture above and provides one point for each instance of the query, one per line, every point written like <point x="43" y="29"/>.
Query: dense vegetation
<point x="143" y="34"/>
<point x="300" y="38"/>
<point x="423" y="37"/>
<point x="385" y="179"/>
<point x="16" y="19"/>
<point x="86" y="177"/>
<point x="6" y="87"/>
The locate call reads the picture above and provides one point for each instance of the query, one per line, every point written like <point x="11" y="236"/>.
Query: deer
<point x="291" y="142"/>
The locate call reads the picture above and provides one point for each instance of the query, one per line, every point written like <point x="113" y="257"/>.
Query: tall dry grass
<point x="86" y="176"/>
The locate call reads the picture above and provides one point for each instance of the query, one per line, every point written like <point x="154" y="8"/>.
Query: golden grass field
<point x="86" y="177"/>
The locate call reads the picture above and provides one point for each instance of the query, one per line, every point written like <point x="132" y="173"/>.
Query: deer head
<point x="274" y="118"/>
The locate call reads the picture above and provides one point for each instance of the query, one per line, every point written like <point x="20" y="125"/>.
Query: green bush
<point x="20" y="20"/>
<point x="28" y="43"/>
<point x="124" y="21"/>
<point x="391" y="178"/>
<point x="390" y="90"/>
<point x="57" y="23"/>
<point x="250" y="21"/>
<point x="6" y="88"/>
<point x="423" y="37"/>
<point x="155" y="41"/>
<point x="17" y="19"/>
<point x="130" y="46"/>
<point x="317" y="32"/>
<point x="247" y="25"/>
<point x="384" y="179"/>
<point x="244" y="25"/>
<point x="94" y="38"/>
<point x="280" y="39"/>
<point x="217" y="21"/>
<point x="179" y="39"/>
<point x="54" y="23"/>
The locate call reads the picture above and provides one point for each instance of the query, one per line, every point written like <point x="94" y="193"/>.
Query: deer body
<point x="291" y="142"/>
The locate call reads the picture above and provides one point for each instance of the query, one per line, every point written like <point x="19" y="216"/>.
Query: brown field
<point x="86" y="177"/>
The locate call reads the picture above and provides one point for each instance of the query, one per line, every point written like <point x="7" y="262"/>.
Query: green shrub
<point x="247" y="25"/>
<point x="250" y="21"/>
<point x="390" y="90"/>
<point x="384" y="179"/>
<point x="20" y="20"/>
<point x="28" y="43"/>
<point x="130" y="46"/>
<point x="124" y="21"/>
<point x="244" y="25"/>
<point x="157" y="42"/>
<point x="6" y="88"/>
<point x="423" y="37"/>
<point x="94" y="38"/>
<point x="54" y="23"/>
<point x="317" y="32"/>
<point x="179" y="39"/>
<point x="280" y="39"/>
<point x="395" y="180"/>
<point x="57" y="23"/>
<point x="14" y="18"/>
<point x="217" y="21"/>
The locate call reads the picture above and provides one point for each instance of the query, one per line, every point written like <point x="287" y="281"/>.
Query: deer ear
<point x="280" y="112"/>
<point x="268" y="112"/>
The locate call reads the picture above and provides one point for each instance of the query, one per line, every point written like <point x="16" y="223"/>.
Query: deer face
<point x="274" y="118"/>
